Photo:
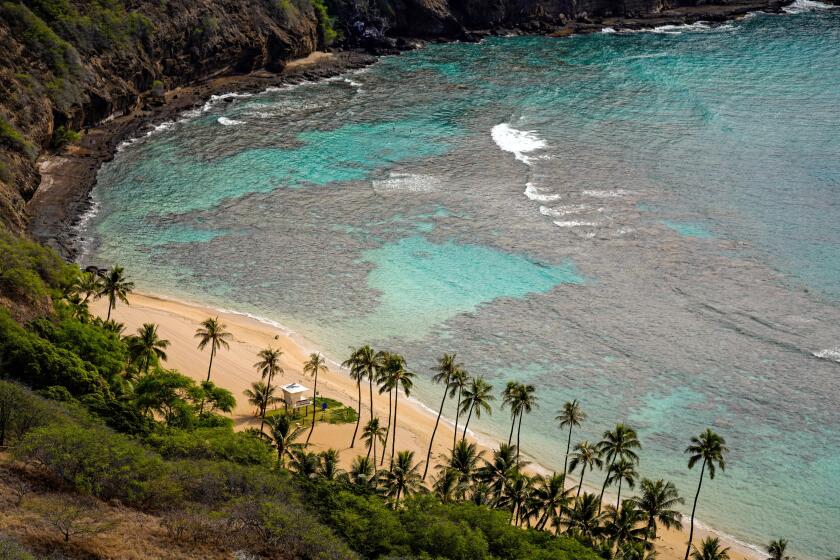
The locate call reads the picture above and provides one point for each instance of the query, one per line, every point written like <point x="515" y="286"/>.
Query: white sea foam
<point x="155" y="129"/>
<point x="608" y="30"/>
<point x="799" y="6"/>
<point x="606" y="194"/>
<point x="832" y="354"/>
<point x="406" y="182"/>
<point x="517" y="142"/>
<point x="228" y="122"/>
<point x="532" y="192"/>
<point x="216" y="98"/>
<point x="677" y="29"/>
<point x="353" y="83"/>
<point x="560" y="211"/>
<point x="575" y="223"/>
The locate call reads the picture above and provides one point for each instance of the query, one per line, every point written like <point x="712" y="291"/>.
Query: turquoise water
<point x="648" y="222"/>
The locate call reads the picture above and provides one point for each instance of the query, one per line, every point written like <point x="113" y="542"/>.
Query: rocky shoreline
<point x="67" y="177"/>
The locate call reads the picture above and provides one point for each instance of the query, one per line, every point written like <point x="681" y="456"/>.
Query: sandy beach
<point x="233" y="369"/>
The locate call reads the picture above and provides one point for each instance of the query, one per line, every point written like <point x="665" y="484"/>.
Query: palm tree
<point x="259" y="396"/>
<point x="496" y="473"/>
<point x="777" y="549"/>
<point x="584" y="521"/>
<point x="710" y="448"/>
<point x="552" y="498"/>
<point x="328" y="467"/>
<point x="305" y="464"/>
<point x="89" y="285"/>
<point x="622" y="471"/>
<point x="626" y="525"/>
<point x="509" y="399"/>
<point x="587" y="457"/>
<point x="656" y="504"/>
<point x="402" y="479"/>
<point x="358" y="375"/>
<point x="362" y="472"/>
<point x="464" y="462"/>
<point x="283" y="434"/>
<point x="396" y="376"/>
<point x="446" y="370"/>
<point x="459" y="380"/>
<point x="367" y="362"/>
<point x="477" y="397"/>
<point x="447" y="485"/>
<point x="617" y="444"/>
<point x="372" y="433"/>
<point x="268" y="366"/>
<point x="710" y="550"/>
<point x="526" y="401"/>
<point x="516" y="496"/>
<point x="117" y="287"/>
<point x="313" y="366"/>
<point x="570" y="415"/>
<point x="212" y="332"/>
<point x="146" y="346"/>
<point x="390" y="362"/>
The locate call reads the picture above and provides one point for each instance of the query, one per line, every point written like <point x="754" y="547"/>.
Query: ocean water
<point x="648" y="222"/>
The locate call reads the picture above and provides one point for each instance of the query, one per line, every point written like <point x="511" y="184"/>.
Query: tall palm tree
<point x="584" y="520"/>
<point x="445" y="372"/>
<point x="526" y="401"/>
<point x="587" y="457"/>
<point x="268" y="366"/>
<point x="657" y="503"/>
<point x="552" y="498"/>
<point x="402" y="480"/>
<point x="313" y="366"/>
<point x="362" y="472"/>
<point x="383" y="375"/>
<point x="517" y="495"/>
<point x="367" y="362"/>
<point x="464" y="462"/>
<point x="372" y="433"/>
<point x="777" y="550"/>
<point x="116" y="287"/>
<point x="212" y="332"/>
<point x="284" y="434"/>
<point x="459" y="380"/>
<point x="477" y="396"/>
<point x="617" y="444"/>
<point x="89" y="285"/>
<point x="397" y="377"/>
<point x="260" y="396"/>
<point x="709" y="448"/>
<point x="357" y="374"/>
<point x="509" y="395"/>
<point x="571" y="415"/>
<point x="146" y="346"/>
<point x="622" y="470"/>
<point x="497" y="472"/>
<point x="710" y="549"/>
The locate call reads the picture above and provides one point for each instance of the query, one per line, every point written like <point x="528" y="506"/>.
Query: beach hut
<point x="295" y="395"/>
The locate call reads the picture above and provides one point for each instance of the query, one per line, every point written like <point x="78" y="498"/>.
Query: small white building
<point x="295" y="395"/>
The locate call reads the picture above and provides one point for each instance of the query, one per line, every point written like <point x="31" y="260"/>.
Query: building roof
<point x="293" y="388"/>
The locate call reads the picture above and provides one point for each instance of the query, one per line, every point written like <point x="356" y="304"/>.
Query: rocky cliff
<point x="68" y="65"/>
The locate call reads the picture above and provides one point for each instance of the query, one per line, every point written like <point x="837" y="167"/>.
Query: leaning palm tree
<point x="622" y="470"/>
<point x="656" y="504"/>
<point x="212" y="332"/>
<point x="477" y="396"/>
<point x="497" y="472"/>
<point x="552" y="498"/>
<point x="284" y="434"/>
<point x="372" y="433"/>
<point x="777" y="550"/>
<point x="509" y="399"/>
<point x="397" y="377"/>
<point x="402" y="480"/>
<point x="570" y="415"/>
<point x="260" y="396"/>
<point x="459" y="380"/>
<point x="116" y="287"/>
<point x="268" y="366"/>
<point x="710" y="549"/>
<point x="313" y="366"/>
<point x="146" y="347"/>
<point x="526" y="400"/>
<point x="709" y="448"/>
<point x="516" y="497"/>
<point x="445" y="372"/>
<point x="585" y="456"/>
<point x="89" y="285"/>
<point x="617" y="444"/>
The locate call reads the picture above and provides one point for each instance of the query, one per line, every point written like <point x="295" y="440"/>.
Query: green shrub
<point x="216" y="482"/>
<point x="40" y="39"/>
<point x="212" y="443"/>
<point x="326" y="24"/>
<point x="63" y="135"/>
<point x="30" y="271"/>
<point x="20" y="412"/>
<point x="12" y="137"/>
<point x="11" y="550"/>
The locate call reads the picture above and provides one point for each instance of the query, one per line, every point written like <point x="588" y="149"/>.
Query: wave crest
<point x="517" y="142"/>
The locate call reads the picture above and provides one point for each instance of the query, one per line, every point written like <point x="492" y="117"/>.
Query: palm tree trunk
<point x="512" y="425"/>
<point x="518" y="431"/>
<point x="469" y="415"/>
<point x="212" y="353"/>
<point x="368" y="453"/>
<point x="604" y="487"/>
<point x="265" y="402"/>
<point x="358" y="416"/>
<point x="387" y="432"/>
<point x="370" y="385"/>
<point x="394" y="437"/>
<point x="566" y="460"/>
<point x="432" y="440"/>
<point x="618" y="500"/>
<point x="457" y="414"/>
<point x="580" y="486"/>
<point x="693" y="508"/>
<point x="110" y="306"/>
<point x="314" y="402"/>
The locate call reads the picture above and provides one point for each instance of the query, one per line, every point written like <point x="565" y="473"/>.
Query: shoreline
<point x="178" y="319"/>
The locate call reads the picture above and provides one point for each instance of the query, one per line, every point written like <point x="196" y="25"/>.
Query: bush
<point x="326" y="30"/>
<point x="63" y="135"/>
<point x="30" y="271"/>
<point x="214" y="482"/>
<point x="20" y="412"/>
<point x="212" y="443"/>
<point x="10" y="550"/>
<point x="12" y="137"/>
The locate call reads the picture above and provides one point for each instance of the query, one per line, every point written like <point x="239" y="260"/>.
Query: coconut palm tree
<point x="496" y="473"/>
<point x="445" y="371"/>
<point x="402" y="480"/>
<point x="446" y="485"/>
<point x="625" y="525"/>
<point x="586" y="456"/>
<point x="710" y="549"/>
<point x="617" y="444"/>
<point x="268" y="366"/>
<point x="88" y="285"/>
<point x="526" y="400"/>
<point x="372" y="433"/>
<point x="362" y="472"/>
<point x="390" y="362"/>
<point x="509" y="398"/>
<point x="146" y="347"/>
<point x="477" y="396"/>
<point x="284" y="434"/>
<point x="552" y="498"/>
<point x="571" y="415"/>
<point x="709" y="448"/>
<point x="260" y="396"/>
<point x="397" y="377"/>
<point x="212" y="332"/>
<point x="313" y="366"/>
<point x="357" y="374"/>
<point x="656" y="504"/>
<point x="328" y="467"/>
<point x="584" y="520"/>
<point x="622" y="471"/>
<point x="464" y="462"/>
<point x="516" y="496"/>
<point x="459" y="380"/>
<point x="305" y="464"/>
<point x="777" y="550"/>
<point x="367" y="362"/>
<point x="116" y="287"/>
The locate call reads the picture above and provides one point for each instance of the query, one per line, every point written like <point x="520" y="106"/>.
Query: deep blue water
<point x="648" y="222"/>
